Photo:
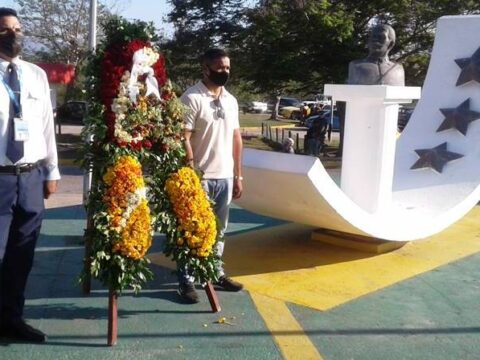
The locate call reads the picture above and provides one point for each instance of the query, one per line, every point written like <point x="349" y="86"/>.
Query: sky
<point x="146" y="10"/>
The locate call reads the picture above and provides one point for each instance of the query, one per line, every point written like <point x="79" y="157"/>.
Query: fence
<point x="277" y="135"/>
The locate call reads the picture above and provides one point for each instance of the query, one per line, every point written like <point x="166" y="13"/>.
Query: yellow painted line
<point x="284" y="263"/>
<point x="287" y="332"/>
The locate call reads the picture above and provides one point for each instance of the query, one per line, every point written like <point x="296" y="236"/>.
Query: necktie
<point x="14" y="148"/>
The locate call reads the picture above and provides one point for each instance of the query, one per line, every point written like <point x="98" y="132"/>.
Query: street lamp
<point x="92" y="38"/>
<point x="92" y="42"/>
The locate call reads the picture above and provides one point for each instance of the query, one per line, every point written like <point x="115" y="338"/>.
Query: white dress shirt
<point x="36" y="111"/>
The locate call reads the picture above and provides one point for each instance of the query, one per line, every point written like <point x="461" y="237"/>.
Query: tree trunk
<point x="274" y="115"/>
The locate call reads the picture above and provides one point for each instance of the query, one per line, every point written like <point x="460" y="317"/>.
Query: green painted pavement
<point x="435" y="316"/>
<point x="152" y="325"/>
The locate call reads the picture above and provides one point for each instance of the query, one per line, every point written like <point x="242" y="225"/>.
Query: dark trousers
<point x="21" y="213"/>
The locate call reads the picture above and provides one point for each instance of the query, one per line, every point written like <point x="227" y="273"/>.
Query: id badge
<point x="21" y="129"/>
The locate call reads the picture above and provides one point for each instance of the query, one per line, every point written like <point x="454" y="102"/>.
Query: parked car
<point x="324" y="114"/>
<point x="255" y="107"/>
<point x="291" y="112"/>
<point x="287" y="101"/>
<point x="290" y="108"/>
<point x="71" y="113"/>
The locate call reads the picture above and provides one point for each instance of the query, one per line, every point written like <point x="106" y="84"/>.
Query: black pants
<point x="21" y="213"/>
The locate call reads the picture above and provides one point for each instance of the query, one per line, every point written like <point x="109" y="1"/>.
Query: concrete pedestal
<point x="369" y="140"/>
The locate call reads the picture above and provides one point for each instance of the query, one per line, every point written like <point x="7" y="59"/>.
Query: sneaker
<point x="228" y="284"/>
<point x="188" y="293"/>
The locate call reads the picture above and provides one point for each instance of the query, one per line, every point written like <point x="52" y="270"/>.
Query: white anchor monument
<point x="395" y="190"/>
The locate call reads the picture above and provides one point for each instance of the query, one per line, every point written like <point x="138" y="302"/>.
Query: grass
<point x="260" y="144"/>
<point x="255" y="120"/>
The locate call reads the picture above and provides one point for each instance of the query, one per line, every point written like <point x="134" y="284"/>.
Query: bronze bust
<point x="376" y="68"/>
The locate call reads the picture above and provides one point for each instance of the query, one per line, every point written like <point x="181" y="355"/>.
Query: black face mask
<point x="11" y="44"/>
<point x="219" y="78"/>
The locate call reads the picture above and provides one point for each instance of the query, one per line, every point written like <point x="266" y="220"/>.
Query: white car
<point x="256" y="107"/>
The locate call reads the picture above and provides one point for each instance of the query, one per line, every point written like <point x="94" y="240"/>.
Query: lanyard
<point x="16" y="103"/>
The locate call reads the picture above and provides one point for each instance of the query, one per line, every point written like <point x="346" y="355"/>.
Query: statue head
<point x="381" y="41"/>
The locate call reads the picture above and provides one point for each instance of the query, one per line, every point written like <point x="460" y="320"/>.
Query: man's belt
<point x="19" y="169"/>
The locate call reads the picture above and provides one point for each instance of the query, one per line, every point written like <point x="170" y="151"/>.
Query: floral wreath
<point x="136" y="121"/>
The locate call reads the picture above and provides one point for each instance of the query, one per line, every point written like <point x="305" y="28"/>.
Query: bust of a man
<point x="376" y="68"/>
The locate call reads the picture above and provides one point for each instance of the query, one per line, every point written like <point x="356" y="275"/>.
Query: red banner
<point x="59" y="73"/>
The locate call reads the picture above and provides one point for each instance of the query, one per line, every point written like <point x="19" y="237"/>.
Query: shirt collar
<point x="4" y="64"/>
<point x="206" y="92"/>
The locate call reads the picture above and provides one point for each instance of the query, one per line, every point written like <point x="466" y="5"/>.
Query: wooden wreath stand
<point x="113" y="311"/>
<point x="212" y="298"/>
<point x="113" y="295"/>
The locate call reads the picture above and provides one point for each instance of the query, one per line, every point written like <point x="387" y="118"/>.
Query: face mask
<point x="219" y="78"/>
<point x="11" y="44"/>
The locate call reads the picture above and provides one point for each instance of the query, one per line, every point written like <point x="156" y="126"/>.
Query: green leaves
<point x="280" y="47"/>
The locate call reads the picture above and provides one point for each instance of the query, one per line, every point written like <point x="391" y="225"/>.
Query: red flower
<point x="147" y="144"/>
<point x="118" y="59"/>
<point x="160" y="71"/>
<point x="167" y="95"/>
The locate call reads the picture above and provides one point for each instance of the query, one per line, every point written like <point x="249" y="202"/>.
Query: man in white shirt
<point x="213" y="144"/>
<point x="28" y="173"/>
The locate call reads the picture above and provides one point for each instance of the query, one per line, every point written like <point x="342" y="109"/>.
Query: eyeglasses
<point x="219" y="111"/>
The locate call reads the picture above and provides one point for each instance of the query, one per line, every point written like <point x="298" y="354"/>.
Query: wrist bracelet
<point x="238" y="177"/>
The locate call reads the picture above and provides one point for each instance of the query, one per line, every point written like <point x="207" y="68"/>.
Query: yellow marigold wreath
<point x="196" y="220"/>
<point x="127" y="207"/>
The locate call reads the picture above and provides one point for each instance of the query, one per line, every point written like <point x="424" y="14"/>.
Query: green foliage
<point x="287" y="49"/>
<point x="291" y="46"/>
<point x="119" y="30"/>
<point x="199" y="25"/>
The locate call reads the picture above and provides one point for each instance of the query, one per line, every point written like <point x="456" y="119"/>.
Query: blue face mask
<point x="219" y="78"/>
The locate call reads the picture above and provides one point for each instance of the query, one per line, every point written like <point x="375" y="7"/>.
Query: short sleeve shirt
<point x="212" y="124"/>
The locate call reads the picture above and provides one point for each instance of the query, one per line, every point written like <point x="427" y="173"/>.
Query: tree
<point x="57" y="30"/>
<point x="199" y="25"/>
<point x="298" y="45"/>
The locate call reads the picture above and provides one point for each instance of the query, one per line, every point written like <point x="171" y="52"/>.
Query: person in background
<point x="213" y="144"/>
<point x="28" y="173"/>
<point x="316" y="136"/>
<point x="288" y="146"/>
